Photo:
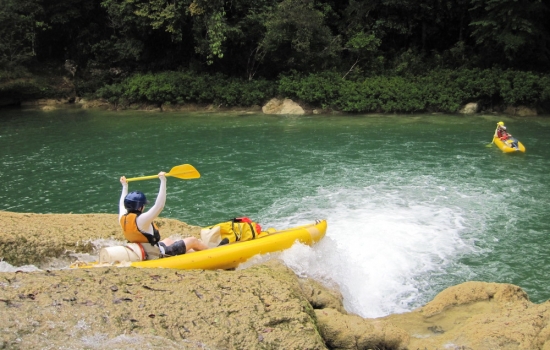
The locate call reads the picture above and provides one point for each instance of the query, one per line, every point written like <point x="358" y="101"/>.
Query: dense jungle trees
<point x="252" y="38"/>
<point x="108" y="41"/>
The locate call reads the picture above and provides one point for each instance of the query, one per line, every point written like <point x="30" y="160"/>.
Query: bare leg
<point x="168" y="241"/>
<point x="193" y="243"/>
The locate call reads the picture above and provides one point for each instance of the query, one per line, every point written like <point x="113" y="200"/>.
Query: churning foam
<point x="381" y="247"/>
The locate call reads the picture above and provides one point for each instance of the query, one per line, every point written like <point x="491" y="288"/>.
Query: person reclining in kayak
<point x="138" y="226"/>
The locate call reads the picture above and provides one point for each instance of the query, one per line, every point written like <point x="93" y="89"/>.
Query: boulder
<point x="477" y="315"/>
<point x="470" y="108"/>
<point x="286" y="106"/>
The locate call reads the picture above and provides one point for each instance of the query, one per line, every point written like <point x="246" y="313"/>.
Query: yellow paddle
<point x="184" y="171"/>
<point x="494" y="135"/>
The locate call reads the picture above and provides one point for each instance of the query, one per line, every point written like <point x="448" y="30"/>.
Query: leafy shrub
<point x="185" y="87"/>
<point x="442" y="90"/>
<point x="27" y="89"/>
<point x="316" y="89"/>
<point x="519" y="87"/>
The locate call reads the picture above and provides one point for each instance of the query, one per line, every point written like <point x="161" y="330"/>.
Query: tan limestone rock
<point x="321" y="297"/>
<point x="47" y="236"/>
<point x="477" y="315"/>
<point x="470" y="108"/>
<point x="261" y="307"/>
<point x="286" y="106"/>
<point x="469" y="292"/>
<point x="129" y="308"/>
<point x="342" y="331"/>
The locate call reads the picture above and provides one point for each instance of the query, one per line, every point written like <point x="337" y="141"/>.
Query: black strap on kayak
<point x="238" y="236"/>
<point x="252" y="229"/>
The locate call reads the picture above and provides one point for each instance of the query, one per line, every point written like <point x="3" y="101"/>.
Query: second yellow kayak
<point x="509" y="146"/>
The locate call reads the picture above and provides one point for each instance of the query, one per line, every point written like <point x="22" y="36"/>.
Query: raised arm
<point x="145" y="220"/>
<point x="121" y="209"/>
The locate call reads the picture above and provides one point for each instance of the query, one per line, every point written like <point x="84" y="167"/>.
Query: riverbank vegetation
<point x="441" y="90"/>
<point x="353" y="56"/>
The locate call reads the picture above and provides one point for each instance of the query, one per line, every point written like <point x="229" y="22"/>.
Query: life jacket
<point x="238" y="229"/>
<point x="133" y="234"/>
<point x="502" y="134"/>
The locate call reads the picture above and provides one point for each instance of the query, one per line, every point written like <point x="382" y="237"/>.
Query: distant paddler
<point x="505" y="141"/>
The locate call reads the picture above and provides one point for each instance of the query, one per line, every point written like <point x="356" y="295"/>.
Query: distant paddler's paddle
<point x="184" y="171"/>
<point x="493" y="141"/>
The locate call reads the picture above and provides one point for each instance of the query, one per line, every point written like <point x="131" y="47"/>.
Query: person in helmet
<point x="501" y="131"/>
<point x="138" y="226"/>
<point x="505" y="136"/>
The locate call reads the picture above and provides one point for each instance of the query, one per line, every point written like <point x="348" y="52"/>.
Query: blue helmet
<point x="135" y="200"/>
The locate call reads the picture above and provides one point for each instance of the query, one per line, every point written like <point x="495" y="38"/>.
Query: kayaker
<point x="501" y="131"/>
<point x="138" y="226"/>
<point x="505" y="136"/>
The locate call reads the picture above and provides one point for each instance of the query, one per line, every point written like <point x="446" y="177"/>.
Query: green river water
<point x="414" y="203"/>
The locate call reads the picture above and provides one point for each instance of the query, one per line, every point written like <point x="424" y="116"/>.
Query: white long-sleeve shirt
<point x="145" y="220"/>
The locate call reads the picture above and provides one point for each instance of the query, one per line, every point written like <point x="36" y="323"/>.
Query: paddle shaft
<point x="184" y="171"/>
<point x="150" y="177"/>
<point x="494" y="135"/>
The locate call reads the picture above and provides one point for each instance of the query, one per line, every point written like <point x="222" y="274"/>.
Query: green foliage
<point x="27" y="89"/>
<point x="296" y="36"/>
<point x="268" y="38"/>
<point x="14" y="73"/>
<point x="317" y="89"/>
<point x="443" y="90"/>
<point x="375" y="56"/>
<point x="520" y="88"/>
<point x="160" y="14"/>
<point x="20" y="22"/>
<point x="185" y="87"/>
<point x="544" y="84"/>
<point x="438" y="91"/>
<point x="380" y="94"/>
<point x="508" y="27"/>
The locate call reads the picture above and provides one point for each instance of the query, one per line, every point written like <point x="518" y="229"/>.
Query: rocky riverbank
<point x="265" y="306"/>
<point x="273" y="106"/>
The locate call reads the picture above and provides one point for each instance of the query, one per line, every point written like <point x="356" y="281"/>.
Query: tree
<point x="20" y="20"/>
<point x="512" y="29"/>
<point x="298" y="38"/>
<point x="74" y="26"/>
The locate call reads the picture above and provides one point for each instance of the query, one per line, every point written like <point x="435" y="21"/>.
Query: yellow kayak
<point x="510" y="145"/>
<point x="231" y="255"/>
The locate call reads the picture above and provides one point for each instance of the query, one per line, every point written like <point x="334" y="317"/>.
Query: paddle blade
<point x="184" y="171"/>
